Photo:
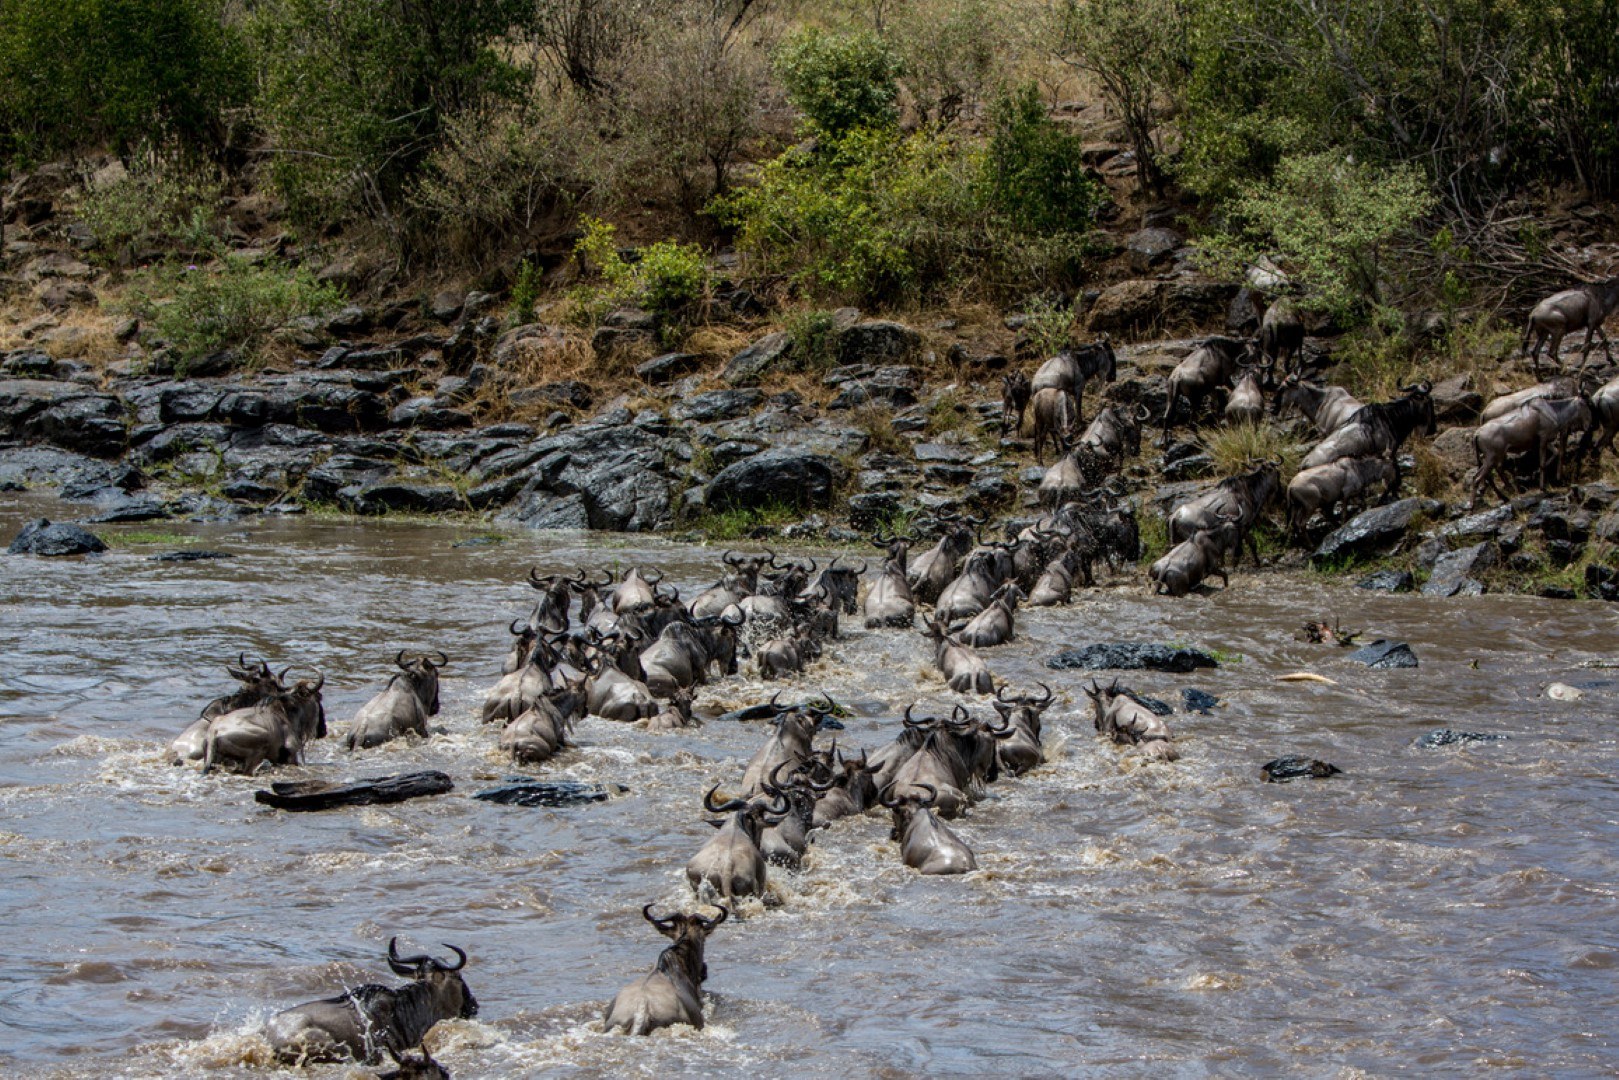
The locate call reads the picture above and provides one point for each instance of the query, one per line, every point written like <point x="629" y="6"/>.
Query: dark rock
<point x="63" y="414"/>
<point x="1481" y="526"/>
<point x="190" y="555"/>
<point x="539" y="511"/>
<point x="348" y="320"/>
<point x="340" y="472"/>
<point x="1198" y="701"/>
<point x="1453" y="574"/>
<point x="560" y="793"/>
<point x="1602" y="582"/>
<point x="717" y="405"/>
<point x="1243" y="314"/>
<point x="949" y="475"/>
<point x="1376" y="529"/>
<point x="872" y="509"/>
<point x="878" y="342"/>
<point x="1556" y="520"/>
<point x="1596" y="496"/>
<point x="496" y="492"/>
<point x="941" y="454"/>
<point x="778" y="477"/>
<point x="377" y="359"/>
<point x="1286" y="769"/>
<point x="414" y="496"/>
<point x="132" y="508"/>
<point x="305" y="795"/>
<point x="1191" y="467"/>
<point x="429" y="413"/>
<point x="43" y="537"/>
<point x="188" y="401"/>
<point x="194" y="506"/>
<point x="990" y="488"/>
<point x="1455" y="401"/>
<point x="661" y="370"/>
<point x="1557" y="592"/>
<point x="1150" y="247"/>
<point x="1130" y="656"/>
<point x="1385" y="654"/>
<point x="758" y="358"/>
<point x="612" y="341"/>
<point x="1433" y="740"/>
<point x="445" y="305"/>
<point x="893" y="387"/>
<point x="1389" y="581"/>
<point x="34" y="466"/>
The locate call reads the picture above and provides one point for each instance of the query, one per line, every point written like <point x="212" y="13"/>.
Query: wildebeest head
<point x="258" y="684"/>
<point x="449" y="991"/>
<point x="905" y="808"/>
<point x="304" y="705"/>
<point x="751" y="815"/>
<point x="689" y="933"/>
<point x="422" y="672"/>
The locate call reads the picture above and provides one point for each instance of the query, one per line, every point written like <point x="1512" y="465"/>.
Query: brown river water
<point x="1438" y="911"/>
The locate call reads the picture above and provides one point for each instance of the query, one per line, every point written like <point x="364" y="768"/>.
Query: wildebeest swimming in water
<point x="673" y="992"/>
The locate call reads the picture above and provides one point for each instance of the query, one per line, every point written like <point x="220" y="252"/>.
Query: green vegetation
<point x="1154" y="530"/>
<point x="162" y="201"/>
<point x="814" y="335"/>
<point x="726" y="526"/>
<point x="840" y="82"/>
<point x="145" y="538"/>
<point x="231" y="304"/>
<point x="667" y="279"/>
<point x="1237" y="448"/>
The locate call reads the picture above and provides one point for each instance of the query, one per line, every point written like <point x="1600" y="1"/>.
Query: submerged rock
<point x="44" y="537"/>
<point x="1285" y="769"/>
<point x="1385" y="654"/>
<point x="1130" y="656"/>
<point x="1389" y="581"/>
<point x="325" y="795"/>
<point x="189" y="556"/>
<point x="559" y="793"/>
<point x="1446" y="737"/>
<point x="1198" y="701"/>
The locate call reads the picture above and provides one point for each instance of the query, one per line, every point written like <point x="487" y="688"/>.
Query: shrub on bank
<point x="234" y="305"/>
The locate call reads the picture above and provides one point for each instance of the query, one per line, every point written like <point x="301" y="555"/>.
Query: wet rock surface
<point x="1443" y="737"/>
<point x="1385" y="654"/>
<point x="1376" y="529"/>
<point x="55" y="539"/>
<point x="1130" y="656"/>
<point x="1284" y="770"/>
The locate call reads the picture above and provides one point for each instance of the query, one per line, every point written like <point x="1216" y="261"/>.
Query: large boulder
<point x="1455" y="574"/>
<point x="1149" y="248"/>
<point x="44" y="537"/>
<point x="402" y="494"/>
<point x="1127" y="306"/>
<point x="717" y="405"/>
<point x="1377" y="529"/>
<point x="63" y="414"/>
<point x="878" y="342"/>
<point x="780" y="477"/>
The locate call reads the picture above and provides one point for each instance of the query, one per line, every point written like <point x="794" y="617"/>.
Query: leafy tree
<point x="1034" y="171"/>
<point x="840" y="81"/>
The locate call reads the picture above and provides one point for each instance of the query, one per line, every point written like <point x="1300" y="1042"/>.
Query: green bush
<point x="77" y="74"/>
<point x="1034" y="170"/>
<point x="1328" y="220"/>
<point x="668" y="278"/>
<point x="354" y="94"/>
<point x="201" y="310"/>
<point x="814" y="337"/>
<point x="525" y="293"/>
<point x="840" y="81"/>
<point x="162" y="201"/>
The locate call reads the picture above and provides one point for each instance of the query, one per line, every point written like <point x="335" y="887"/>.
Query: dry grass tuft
<point x="1238" y="448"/>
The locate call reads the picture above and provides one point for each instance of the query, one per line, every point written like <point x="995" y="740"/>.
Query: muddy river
<point x="1452" y="910"/>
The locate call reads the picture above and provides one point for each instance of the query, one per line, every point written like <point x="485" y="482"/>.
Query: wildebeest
<point x="1072" y="368"/>
<point x="551" y="609"/>
<point x="850" y="790"/>
<point x="788" y="654"/>
<point x="784" y="842"/>
<point x="419" y="1066"/>
<point x="1585" y="308"/>
<point x="839" y="584"/>
<point x="889" y="601"/>
<point x="1241" y="498"/>
<point x="1378" y="429"/>
<point x="1206" y="371"/>
<point x="673" y="992"/>
<point x="1325" y="486"/>
<point x="955" y="758"/>
<point x="932" y="570"/>
<point x="1056" y="419"/>
<point x="257" y="683"/>
<point x="1189" y="562"/>
<point x="740" y="581"/>
<point x="1605" y="417"/>
<point x="927" y="844"/>
<point x="1538" y="426"/>
<point x="1014" y="401"/>
<point x="731" y="863"/>
<point x="994" y="625"/>
<point x="1020" y="749"/>
<point x="1115" y="432"/>
<point x="963" y="669"/>
<point x="1246" y="404"/>
<point x="1056" y="584"/>
<point x="274" y="730"/>
<point x="887" y="759"/>
<point x="1281" y="334"/>
<point x="1561" y="386"/>
<point x="636" y="590"/>
<point x="403" y="705"/>
<point x="520" y="688"/>
<point x="675" y="715"/>
<point x="542" y="729"/>
<point x="1122" y="718"/>
<point x="523" y="638"/>
<point x="789" y="743"/>
<point x="684" y="652"/>
<point x="614" y="693"/>
<point x="969" y="592"/>
<point x="1328" y="408"/>
<point x="363" y="1022"/>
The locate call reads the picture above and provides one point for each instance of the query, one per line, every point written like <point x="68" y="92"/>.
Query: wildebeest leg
<point x="1225" y="582"/>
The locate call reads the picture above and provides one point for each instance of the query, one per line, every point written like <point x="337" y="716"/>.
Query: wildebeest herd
<point x="628" y="648"/>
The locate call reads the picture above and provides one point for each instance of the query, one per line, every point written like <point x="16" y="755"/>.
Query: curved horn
<point x="727" y="559"/>
<point x="773" y="783"/>
<point x="708" y="925"/>
<point x="1043" y="702"/>
<point x="776" y="705"/>
<point x="399" y="659"/>
<point x="404" y="965"/>
<point x="933" y="796"/>
<point x="461" y="953"/>
<point x="862" y="569"/>
<point x="534" y="578"/>
<point x="517" y="627"/>
<point x="664" y="923"/>
<point x="1000" y="694"/>
<point x="652" y="581"/>
<point x="443" y="658"/>
<point x="770" y="557"/>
